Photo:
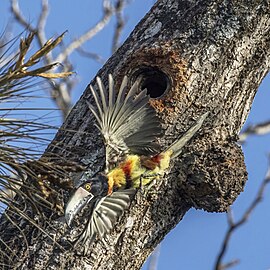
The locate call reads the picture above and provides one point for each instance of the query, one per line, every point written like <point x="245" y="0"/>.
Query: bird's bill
<point x="76" y="202"/>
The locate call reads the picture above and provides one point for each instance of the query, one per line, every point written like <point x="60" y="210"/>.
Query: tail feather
<point x="178" y="145"/>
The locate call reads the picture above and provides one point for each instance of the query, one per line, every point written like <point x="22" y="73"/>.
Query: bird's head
<point x="89" y="191"/>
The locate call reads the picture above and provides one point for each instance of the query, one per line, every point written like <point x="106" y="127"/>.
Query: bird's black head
<point x="91" y="190"/>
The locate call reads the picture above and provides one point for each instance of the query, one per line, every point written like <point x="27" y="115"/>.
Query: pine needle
<point x="25" y="177"/>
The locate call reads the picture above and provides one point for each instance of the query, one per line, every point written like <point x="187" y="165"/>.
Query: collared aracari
<point x="130" y="128"/>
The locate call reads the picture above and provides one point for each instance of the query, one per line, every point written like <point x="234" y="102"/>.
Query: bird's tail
<point x="177" y="146"/>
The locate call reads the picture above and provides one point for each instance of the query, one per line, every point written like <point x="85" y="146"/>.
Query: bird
<point x="130" y="129"/>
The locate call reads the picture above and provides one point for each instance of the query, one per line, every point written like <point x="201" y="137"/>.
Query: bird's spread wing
<point x="126" y="120"/>
<point x="105" y="214"/>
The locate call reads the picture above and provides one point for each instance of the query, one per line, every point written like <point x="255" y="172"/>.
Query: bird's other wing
<point x="105" y="214"/>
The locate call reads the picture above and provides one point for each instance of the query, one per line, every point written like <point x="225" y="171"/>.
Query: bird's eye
<point x="87" y="186"/>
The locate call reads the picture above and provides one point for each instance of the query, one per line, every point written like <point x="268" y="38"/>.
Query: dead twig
<point x="61" y="92"/>
<point x="259" y="129"/>
<point x="120" y="23"/>
<point x="90" y="33"/>
<point x="91" y="55"/>
<point x="235" y="225"/>
<point x="15" y="10"/>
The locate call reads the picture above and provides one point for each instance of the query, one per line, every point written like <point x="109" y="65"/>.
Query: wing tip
<point x="102" y="221"/>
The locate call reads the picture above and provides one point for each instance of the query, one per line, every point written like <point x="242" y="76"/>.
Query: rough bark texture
<point x="215" y="54"/>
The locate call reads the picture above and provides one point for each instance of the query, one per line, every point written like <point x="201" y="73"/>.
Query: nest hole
<point x="155" y="81"/>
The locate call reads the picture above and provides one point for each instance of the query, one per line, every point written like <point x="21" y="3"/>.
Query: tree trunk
<point x="193" y="57"/>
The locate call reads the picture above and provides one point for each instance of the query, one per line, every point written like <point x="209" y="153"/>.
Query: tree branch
<point x="120" y="23"/>
<point x="90" y="33"/>
<point x="91" y="55"/>
<point x="40" y="29"/>
<point x="15" y="9"/>
<point x="258" y="129"/>
<point x="235" y="225"/>
<point x="61" y="92"/>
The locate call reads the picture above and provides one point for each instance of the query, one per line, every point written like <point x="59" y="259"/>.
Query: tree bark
<point x="208" y="56"/>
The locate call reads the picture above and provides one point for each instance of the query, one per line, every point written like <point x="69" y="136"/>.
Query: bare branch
<point x="235" y="225"/>
<point x="15" y="10"/>
<point x="229" y="264"/>
<point x="259" y="129"/>
<point x="42" y="21"/>
<point x="107" y="14"/>
<point x="91" y="55"/>
<point x="60" y="92"/>
<point x="39" y="30"/>
<point x="120" y="23"/>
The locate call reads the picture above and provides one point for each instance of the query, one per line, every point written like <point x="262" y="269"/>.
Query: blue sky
<point x="195" y="242"/>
